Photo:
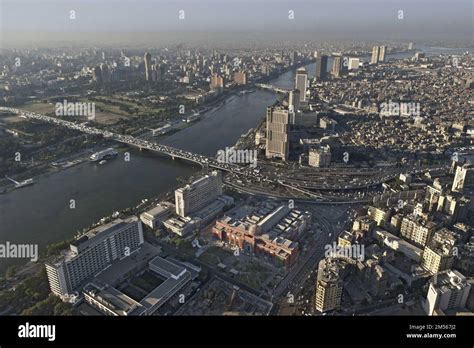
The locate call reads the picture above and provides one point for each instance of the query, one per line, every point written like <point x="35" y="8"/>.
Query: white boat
<point x="19" y="184"/>
<point x="103" y="162"/>
<point x="104" y="154"/>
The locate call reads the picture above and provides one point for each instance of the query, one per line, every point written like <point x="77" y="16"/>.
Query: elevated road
<point x="301" y="186"/>
<point x="272" y="88"/>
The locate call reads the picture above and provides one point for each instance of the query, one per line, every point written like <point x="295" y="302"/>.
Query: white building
<point x="198" y="194"/>
<point x="448" y="290"/>
<point x="301" y="83"/>
<point x="91" y="253"/>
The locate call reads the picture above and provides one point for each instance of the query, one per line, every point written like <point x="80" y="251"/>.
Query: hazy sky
<point x="364" y="19"/>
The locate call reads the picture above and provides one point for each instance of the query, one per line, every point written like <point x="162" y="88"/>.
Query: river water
<point x="41" y="214"/>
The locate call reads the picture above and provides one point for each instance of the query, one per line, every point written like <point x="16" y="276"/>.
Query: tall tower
<point x="337" y="66"/>
<point x="329" y="285"/>
<point x="321" y="67"/>
<point x="375" y="55"/>
<point x="463" y="178"/>
<point x="301" y="82"/>
<point x="147" y="59"/>
<point x="278" y="126"/>
<point x="294" y="100"/>
<point x="382" y="53"/>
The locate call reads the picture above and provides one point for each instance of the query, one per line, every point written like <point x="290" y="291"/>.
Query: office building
<point x="148" y="69"/>
<point x="198" y="194"/>
<point x="240" y="78"/>
<point x="294" y="101"/>
<point x="294" y="58"/>
<point x="154" y="217"/>
<point x="321" y="68"/>
<point x="382" y="50"/>
<point x="375" y="55"/>
<point x="93" y="252"/>
<point x="354" y="63"/>
<point x="464" y="177"/>
<point x="337" y="66"/>
<point x="320" y="156"/>
<point x="301" y="84"/>
<point x="329" y="284"/>
<point x="277" y="138"/>
<point x="378" y="54"/>
<point x="448" y="290"/>
<point x="217" y="83"/>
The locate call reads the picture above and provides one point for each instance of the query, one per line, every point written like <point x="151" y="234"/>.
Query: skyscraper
<point x="337" y="66"/>
<point x="375" y="55"/>
<point x="321" y="67"/>
<point x="294" y="58"/>
<point x="463" y="178"/>
<point x="382" y="53"/>
<point x="378" y="54"/>
<point x="301" y="82"/>
<point x="278" y="126"/>
<point x="294" y="100"/>
<point x="147" y="59"/>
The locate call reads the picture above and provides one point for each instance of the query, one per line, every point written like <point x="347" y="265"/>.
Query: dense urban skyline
<point x="242" y="158"/>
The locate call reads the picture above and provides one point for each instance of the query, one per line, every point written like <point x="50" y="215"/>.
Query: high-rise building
<point x="454" y="206"/>
<point x="448" y="290"/>
<point x="337" y="66"/>
<point x="320" y="156"/>
<point x="294" y="58"/>
<point x="93" y="252"/>
<point x="198" y="194"/>
<point x="375" y="55"/>
<point x="97" y="74"/>
<point x="294" y="101"/>
<point x="217" y="82"/>
<point x="321" y="67"/>
<point x="277" y="139"/>
<point x="240" y="78"/>
<point x="353" y="63"/>
<point x="417" y="230"/>
<point x="301" y="83"/>
<point x="382" y="50"/>
<point x="378" y="54"/>
<point x="464" y="177"/>
<point x="105" y="72"/>
<point x="329" y="284"/>
<point x="147" y="59"/>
